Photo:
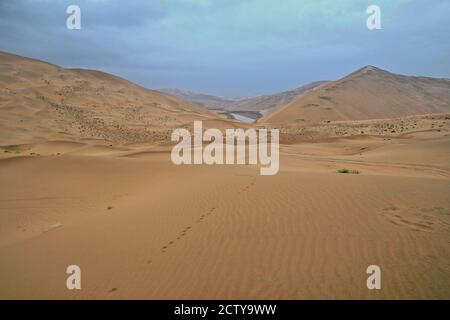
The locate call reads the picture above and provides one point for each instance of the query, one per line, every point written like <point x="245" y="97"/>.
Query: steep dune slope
<point x="270" y="102"/>
<point x="40" y="101"/>
<point x="262" y="104"/>
<point x="369" y="93"/>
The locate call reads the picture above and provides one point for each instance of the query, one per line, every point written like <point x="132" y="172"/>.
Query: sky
<point x="231" y="48"/>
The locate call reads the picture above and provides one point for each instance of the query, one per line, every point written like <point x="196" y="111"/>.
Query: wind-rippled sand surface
<point x="141" y="227"/>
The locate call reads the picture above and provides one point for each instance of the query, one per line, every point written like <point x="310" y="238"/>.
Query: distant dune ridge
<point x="369" y="93"/>
<point x="261" y="104"/>
<point x="209" y="101"/>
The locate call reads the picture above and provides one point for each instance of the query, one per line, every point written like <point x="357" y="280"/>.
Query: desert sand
<point x="368" y="93"/>
<point x="108" y="199"/>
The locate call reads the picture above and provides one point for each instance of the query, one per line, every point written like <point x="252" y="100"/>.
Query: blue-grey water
<point x="242" y="118"/>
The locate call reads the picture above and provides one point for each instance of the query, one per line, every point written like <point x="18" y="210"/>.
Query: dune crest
<point x="41" y="101"/>
<point x="369" y="93"/>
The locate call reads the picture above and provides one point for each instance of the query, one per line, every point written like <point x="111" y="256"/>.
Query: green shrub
<point x="344" y="170"/>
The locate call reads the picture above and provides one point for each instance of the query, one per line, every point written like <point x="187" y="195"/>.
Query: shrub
<point x="344" y="170"/>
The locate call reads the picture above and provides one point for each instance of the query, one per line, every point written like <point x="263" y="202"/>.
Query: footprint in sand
<point x="184" y="232"/>
<point x="50" y="227"/>
<point x="422" y="219"/>
<point x="201" y="218"/>
<point x="247" y="187"/>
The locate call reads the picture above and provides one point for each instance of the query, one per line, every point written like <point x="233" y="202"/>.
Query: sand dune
<point x="40" y="101"/>
<point x="209" y="101"/>
<point x="427" y="125"/>
<point x="140" y="227"/>
<point x="369" y="93"/>
<point x="258" y="105"/>
<point x="86" y="179"/>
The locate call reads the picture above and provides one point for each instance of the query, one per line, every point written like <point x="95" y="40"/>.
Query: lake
<point x="242" y="118"/>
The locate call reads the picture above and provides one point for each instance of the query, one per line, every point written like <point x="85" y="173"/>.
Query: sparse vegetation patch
<point x="344" y="170"/>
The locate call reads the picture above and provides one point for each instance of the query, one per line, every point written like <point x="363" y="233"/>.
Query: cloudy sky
<point x="231" y="47"/>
